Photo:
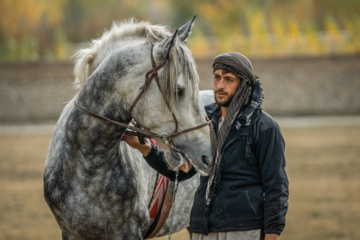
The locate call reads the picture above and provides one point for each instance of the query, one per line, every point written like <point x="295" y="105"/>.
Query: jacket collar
<point x="213" y="112"/>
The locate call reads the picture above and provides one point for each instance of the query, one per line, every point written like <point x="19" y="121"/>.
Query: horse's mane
<point x="181" y="59"/>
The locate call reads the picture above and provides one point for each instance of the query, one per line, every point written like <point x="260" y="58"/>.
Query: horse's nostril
<point x="206" y="161"/>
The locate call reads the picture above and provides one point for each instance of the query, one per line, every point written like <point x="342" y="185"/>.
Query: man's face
<point x="225" y="86"/>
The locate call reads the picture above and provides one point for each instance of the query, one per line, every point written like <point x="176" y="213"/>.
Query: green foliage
<point x="48" y="30"/>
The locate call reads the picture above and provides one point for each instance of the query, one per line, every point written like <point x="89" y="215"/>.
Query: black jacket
<point x="254" y="184"/>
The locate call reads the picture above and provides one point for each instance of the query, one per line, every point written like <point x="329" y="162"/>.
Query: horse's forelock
<point x="180" y="61"/>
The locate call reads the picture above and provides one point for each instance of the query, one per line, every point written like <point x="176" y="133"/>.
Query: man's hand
<point x="145" y="149"/>
<point x="271" y="236"/>
<point x="134" y="142"/>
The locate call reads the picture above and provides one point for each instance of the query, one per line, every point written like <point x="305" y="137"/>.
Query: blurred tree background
<point x="43" y="30"/>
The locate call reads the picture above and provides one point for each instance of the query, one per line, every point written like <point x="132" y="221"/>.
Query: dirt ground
<point x="322" y="165"/>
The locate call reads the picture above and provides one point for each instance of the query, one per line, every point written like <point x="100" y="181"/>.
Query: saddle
<point x="161" y="203"/>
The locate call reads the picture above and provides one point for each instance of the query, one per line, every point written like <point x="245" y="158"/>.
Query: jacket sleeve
<point x="271" y="155"/>
<point x="157" y="161"/>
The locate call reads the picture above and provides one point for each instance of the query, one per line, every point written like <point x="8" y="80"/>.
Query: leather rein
<point x="166" y="138"/>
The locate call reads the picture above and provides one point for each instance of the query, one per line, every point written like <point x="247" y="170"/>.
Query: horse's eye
<point x="180" y="91"/>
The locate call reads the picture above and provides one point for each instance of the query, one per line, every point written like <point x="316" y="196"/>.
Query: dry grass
<point x="322" y="168"/>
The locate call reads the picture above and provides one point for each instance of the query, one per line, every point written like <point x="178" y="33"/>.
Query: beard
<point x="224" y="103"/>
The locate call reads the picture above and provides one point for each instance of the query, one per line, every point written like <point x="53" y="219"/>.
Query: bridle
<point x="166" y="138"/>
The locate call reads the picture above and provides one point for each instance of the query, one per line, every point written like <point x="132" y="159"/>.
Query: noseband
<point x="166" y="138"/>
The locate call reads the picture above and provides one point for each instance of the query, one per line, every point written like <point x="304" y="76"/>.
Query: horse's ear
<point x="163" y="48"/>
<point x="185" y="30"/>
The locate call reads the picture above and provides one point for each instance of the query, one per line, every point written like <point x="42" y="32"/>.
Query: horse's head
<point x="116" y="69"/>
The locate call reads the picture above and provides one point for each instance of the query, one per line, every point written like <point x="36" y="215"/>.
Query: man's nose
<point x="220" y="84"/>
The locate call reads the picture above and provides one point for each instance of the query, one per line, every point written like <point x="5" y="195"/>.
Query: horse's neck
<point x="87" y="138"/>
<point x="88" y="146"/>
<point x="90" y="149"/>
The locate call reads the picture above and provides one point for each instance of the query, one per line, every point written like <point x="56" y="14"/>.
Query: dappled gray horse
<point x="96" y="186"/>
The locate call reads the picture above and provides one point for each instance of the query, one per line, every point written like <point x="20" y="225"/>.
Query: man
<point x="246" y="195"/>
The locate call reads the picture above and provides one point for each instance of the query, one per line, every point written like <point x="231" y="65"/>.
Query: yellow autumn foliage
<point x="52" y="29"/>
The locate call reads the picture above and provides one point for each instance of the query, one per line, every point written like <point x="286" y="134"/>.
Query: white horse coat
<point x="97" y="186"/>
